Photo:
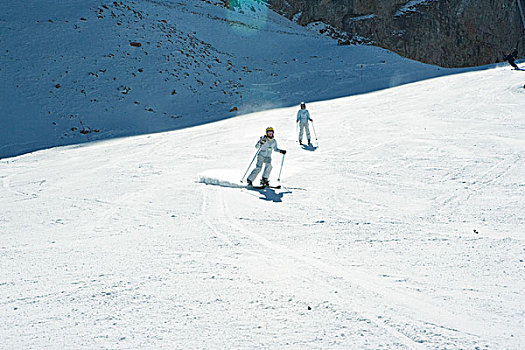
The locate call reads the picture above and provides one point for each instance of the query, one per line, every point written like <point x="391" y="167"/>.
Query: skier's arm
<point x="308" y="115"/>
<point x="277" y="149"/>
<point x="298" y="115"/>
<point x="261" y="142"/>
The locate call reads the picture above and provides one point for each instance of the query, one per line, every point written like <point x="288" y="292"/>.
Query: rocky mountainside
<point x="447" y="33"/>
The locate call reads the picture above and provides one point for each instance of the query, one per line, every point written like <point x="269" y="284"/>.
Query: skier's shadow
<point x="309" y="147"/>
<point x="268" y="194"/>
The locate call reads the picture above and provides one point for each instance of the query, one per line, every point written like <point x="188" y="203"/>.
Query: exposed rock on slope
<point x="447" y="33"/>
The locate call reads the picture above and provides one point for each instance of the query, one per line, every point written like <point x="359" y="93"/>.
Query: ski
<point x="262" y="187"/>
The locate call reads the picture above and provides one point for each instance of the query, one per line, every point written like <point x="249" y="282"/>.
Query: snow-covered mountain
<point x="77" y="71"/>
<point x="402" y="228"/>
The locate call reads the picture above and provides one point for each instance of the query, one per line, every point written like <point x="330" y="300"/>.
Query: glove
<point x="262" y="140"/>
<point x="283" y="151"/>
<point x="311" y="120"/>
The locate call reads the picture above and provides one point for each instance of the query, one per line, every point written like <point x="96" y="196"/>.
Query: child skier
<point x="303" y="116"/>
<point x="266" y="144"/>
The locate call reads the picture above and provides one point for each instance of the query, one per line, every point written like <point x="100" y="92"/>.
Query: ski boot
<point x="309" y="143"/>
<point x="301" y="142"/>
<point x="265" y="182"/>
<point x="249" y="182"/>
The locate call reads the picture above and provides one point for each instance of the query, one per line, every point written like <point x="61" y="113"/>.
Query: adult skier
<point x="511" y="58"/>
<point x="266" y="144"/>
<point x="303" y="117"/>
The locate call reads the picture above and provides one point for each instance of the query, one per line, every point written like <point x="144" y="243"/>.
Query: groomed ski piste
<point x="402" y="228"/>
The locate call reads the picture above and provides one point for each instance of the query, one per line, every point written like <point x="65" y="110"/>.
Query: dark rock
<point x="445" y="33"/>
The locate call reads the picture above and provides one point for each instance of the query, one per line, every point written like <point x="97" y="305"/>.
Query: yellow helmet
<point x="268" y="129"/>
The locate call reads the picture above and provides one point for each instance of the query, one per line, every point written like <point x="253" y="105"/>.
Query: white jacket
<point x="267" y="145"/>
<point x="303" y="116"/>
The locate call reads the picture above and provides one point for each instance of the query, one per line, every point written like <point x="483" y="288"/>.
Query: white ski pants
<point x="302" y="127"/>
<point x="261" y="160"/>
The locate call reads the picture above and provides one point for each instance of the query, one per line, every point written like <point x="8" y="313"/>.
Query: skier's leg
<point x="268" y="169"/>
<point x="301" y="130"/>
<point x="307" y="133"/>
<point x="257" y="169"/>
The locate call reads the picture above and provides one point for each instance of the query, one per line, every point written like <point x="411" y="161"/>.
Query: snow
<point x="412" y="6"/>
<point x="297" y="16"/>
<point x="147" y="242"/>
<point x="362" y="18"/>
<point x="403" y="229"/>
<point x="197" y="63"/>
<point x="222" y="177"/>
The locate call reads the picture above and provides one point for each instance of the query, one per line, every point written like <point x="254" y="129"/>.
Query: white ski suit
<point x="265" y="157"/>
<point x="303" y="116"/>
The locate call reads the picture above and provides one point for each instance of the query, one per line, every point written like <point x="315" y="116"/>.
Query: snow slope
<point x="403" y="229"/>
<point x="68" y="66"/>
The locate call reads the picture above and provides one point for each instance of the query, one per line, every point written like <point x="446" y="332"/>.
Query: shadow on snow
<point x="267" y="194"/>
<point x="256" y="104"/>
<point x="309" y="147"/>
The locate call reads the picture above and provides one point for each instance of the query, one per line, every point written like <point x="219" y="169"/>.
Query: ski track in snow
<point x="225" y="218"/>
<point x="310" y="264"/>
<point x="378" y="295"/>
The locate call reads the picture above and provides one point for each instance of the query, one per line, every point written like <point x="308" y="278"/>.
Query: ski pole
<point x="296" y="131"/>
<point x="282" y="162"/>
<point x="315" y="134"/>
<point x="249" y="166"/>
